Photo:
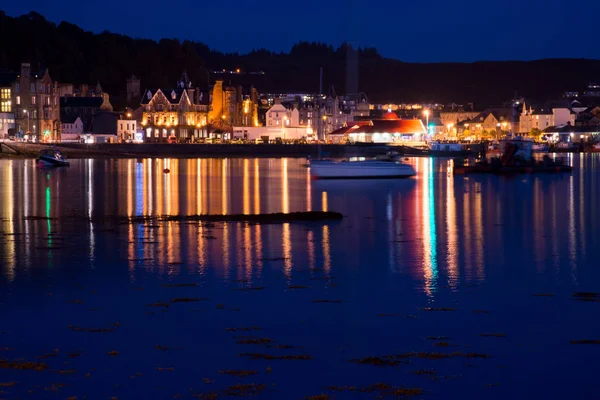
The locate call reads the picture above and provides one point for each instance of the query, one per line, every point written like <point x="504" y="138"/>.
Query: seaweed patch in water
<point x="293" y="287"/>
<point x="327" y="301"/>
<point x="238" y="373"/>
<point x="172" y="285"/>
<point x="259" y="356"/>
<point x="263" y="341"/>
<point x="587" y="296"/>
<point x="23" y="365"/>
<point x="585" y="341"/>
<point x="251" y="389"/>
<point x="498" y="335"/>
<point x="249" y="289"/>
<point x="382" y="388"/>
<point x="189" y="299"/>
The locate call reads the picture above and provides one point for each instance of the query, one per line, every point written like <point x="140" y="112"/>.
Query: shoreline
<point x="126" y="150"/>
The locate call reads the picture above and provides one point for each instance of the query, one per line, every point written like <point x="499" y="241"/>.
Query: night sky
<point x="417" y="31"/>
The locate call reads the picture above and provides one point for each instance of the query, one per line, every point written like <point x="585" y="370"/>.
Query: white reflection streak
<point x="572" y="242"/>
<point x="308" y="191"/>
<point x="90" y="190"/>
<point x="311" y="249"/>
<point x="284" y="186"/>
<point x="326" y="251"/>
<point x="451" y="233"/>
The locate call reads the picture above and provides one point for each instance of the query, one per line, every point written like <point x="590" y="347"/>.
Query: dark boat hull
<point x="46" y="161"/>
<point x="416" y="152"/>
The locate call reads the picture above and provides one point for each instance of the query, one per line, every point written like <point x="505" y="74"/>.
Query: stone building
<point x="7" y="117"/>
<point x="36" y="105"/>
<point x="180" y="112"/>
<point x="230" y="106"/>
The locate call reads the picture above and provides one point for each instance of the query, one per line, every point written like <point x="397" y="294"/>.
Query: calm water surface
<point x="441" y="274"/>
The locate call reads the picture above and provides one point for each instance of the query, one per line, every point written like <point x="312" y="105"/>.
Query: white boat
<point x="324" y="169"/>
<point x="539" y="148"/>
<point x="52" y="158"/>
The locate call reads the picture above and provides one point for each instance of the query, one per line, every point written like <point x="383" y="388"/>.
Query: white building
<point x="71" y="130"/>
<point x="271" y="133"/>
<point x="544" y="118"/>
<point x="279" y="116"/>
<point x="126" y="129"/>
<point x="7" y="122"/>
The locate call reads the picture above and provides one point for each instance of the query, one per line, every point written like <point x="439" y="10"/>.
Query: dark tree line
<point x="76" y="56"/>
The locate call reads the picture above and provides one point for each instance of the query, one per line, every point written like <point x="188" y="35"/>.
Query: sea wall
<point x="77" y="150"/>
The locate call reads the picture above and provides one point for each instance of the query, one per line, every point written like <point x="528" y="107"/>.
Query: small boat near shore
<point x="516" y="158"/>
<point x="51" y="158"/>
<point x="369" y="169"/>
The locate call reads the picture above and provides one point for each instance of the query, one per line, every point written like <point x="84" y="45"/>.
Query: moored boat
<point x="52" y="158"/>
<point x="371" y="169"/>
<point x="539" y="148"/>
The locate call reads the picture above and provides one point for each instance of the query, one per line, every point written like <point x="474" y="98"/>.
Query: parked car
<point x="172" y="140"/>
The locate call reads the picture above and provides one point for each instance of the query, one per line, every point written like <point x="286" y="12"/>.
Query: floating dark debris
<point x="306" y="216"/>
<point x="584" y="341"/>
<point x="172" y="285"/>
<point x="92" y="330"/>
<point x="381" y="388"/>
<point x="239" y="373"/>
<point x="498" y="335"/>
<point x="249" y="289"/>
<point x="389" y="315"/>
<point x="424" y="372"/>
<point x="243" y="329"/>
<point x="113" y="353"/>
<point x="38" y="218"/>
<point x="23" y="365"/>
<point x="263" y="341"/>
<point x="397" y="359"/>
<point x="165" y="305"/>
<point x="437" y="309"/>
<point x="258" y="356"/>
<point x="587" y="296"/>
<point x="189" y="299"/>
<point x="251" y="389"/>
<point x="480" y="312"/>
<point x="438" y="338"/>
<point x="293" y="287"/>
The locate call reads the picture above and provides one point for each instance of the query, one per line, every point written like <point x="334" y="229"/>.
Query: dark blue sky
<point x="421" y="31"/>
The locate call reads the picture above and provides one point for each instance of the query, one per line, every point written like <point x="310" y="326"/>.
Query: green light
<point x="46" y="132"/>
<point x="48" y="203"/>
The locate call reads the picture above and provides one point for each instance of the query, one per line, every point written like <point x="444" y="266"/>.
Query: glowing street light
<point x="426" y="112"/>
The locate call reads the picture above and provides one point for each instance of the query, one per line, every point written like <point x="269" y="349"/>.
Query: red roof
<point x="390" y="116"/>
<point x="400" y="126"/>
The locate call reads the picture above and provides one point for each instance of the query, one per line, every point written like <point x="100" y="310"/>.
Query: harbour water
<point x="456" y="287"/>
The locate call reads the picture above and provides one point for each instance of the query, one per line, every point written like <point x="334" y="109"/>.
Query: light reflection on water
<point x="402" y="245"/>
<point x="439" y="228"/>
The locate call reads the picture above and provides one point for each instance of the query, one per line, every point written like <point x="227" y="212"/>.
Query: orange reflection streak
<point x="201" y="251"/>
<point x="239" y="256"/>
<point x="479" y="238"/>
<point x="467" y="231"/>
<point x="324" y="203"/>
<point x="225" y="250"/>
<point x="9" y="256"/>
<point x="326" y="251"/>
<point x="308" y="191"/>
<point x="311" y="249"/>
<point x="248" y="253"/>
<point x="28" y="211"/>
<point x="174" y="187"/>
<point x="204" y="187"/>
<point x="150" y="188"/>
<point x="285" y="199"/>
<point x="130" y="236"/>
<point x="259" y="249"/>
<point x="256" y="188"/>
<point x="198" y="188"/>
<point x="287" y="250"/>
<point x="246" y="187"/>
<point x="224" y="188"/>
<point x="451" y="230"/>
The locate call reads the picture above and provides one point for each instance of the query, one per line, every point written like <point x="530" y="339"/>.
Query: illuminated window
<point x="33" y="100"/>
<point x="18" y="100"/>
<point x="5" y="106"/>
<point x="5" y="94"/>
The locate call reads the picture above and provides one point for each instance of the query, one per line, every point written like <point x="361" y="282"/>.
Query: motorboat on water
<point x="539" y="147"/>
<point x="368" y="169"/>
<point x="52" y="158"/>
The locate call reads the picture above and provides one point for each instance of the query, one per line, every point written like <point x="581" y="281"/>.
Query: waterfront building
<point x="36" y="105"/>
<point x="389" y="129"/>
<point x="7" y="117"/>
<point x="127" y="128"/>
<point x="180" y="112"/>
<point x="492" y="121"/>
<point x="544" y="117"/>
<point x="85" y="108"/>
<point x="231" y="106"/>
<point x="71" y="128"/>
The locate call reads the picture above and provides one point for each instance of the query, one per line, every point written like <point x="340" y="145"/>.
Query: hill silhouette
<point x="77" y="56"/>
